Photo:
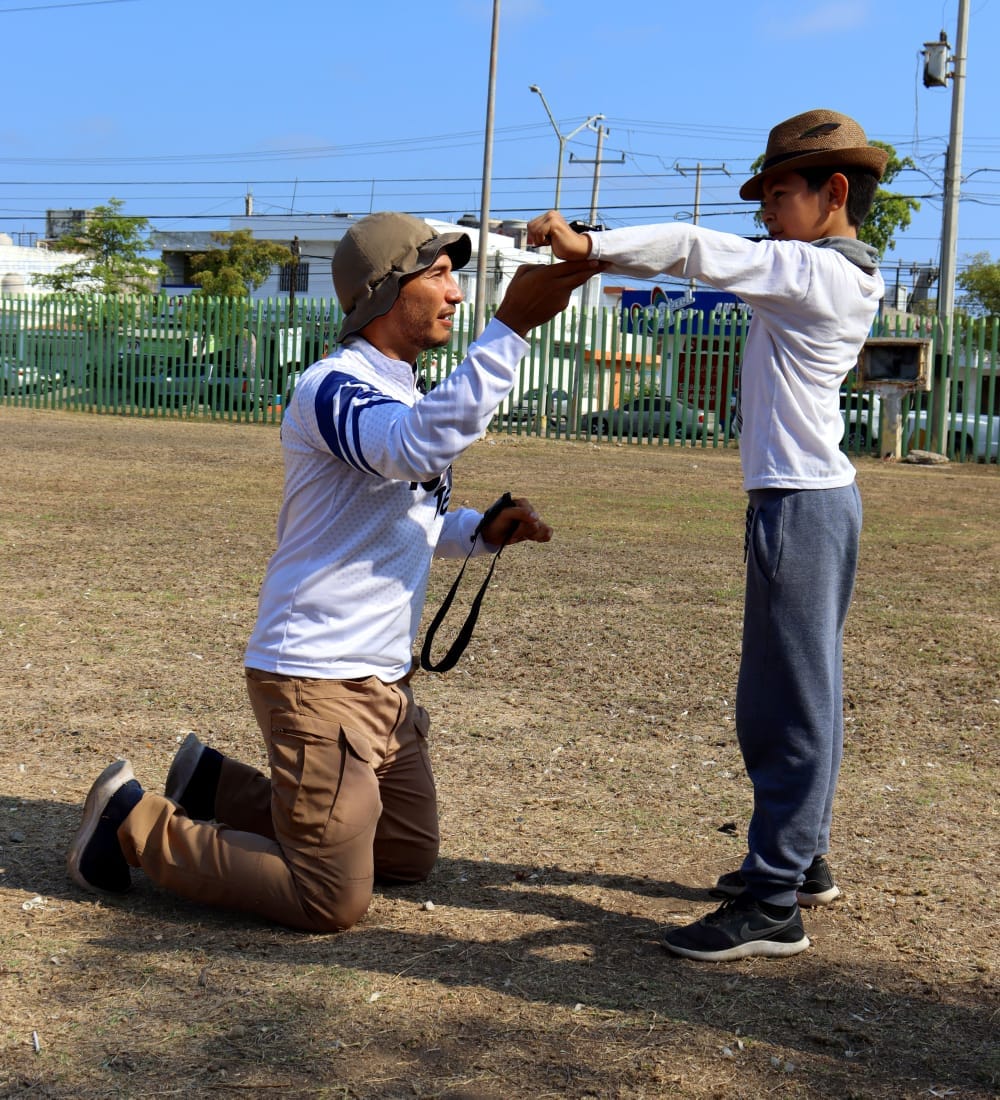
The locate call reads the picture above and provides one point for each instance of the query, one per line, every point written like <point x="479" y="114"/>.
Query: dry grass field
<point x="589" y="781"/>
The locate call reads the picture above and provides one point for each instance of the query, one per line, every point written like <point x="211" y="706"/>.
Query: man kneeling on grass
<point x="350" y="795"/>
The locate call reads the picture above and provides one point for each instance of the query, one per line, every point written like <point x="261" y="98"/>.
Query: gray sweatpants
<point x="802" y="553"/>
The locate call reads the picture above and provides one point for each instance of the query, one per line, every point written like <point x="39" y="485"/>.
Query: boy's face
<point x="791" y="212"/>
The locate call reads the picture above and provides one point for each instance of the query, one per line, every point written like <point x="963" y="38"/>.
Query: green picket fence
<point x="642" y="378"/>
<point x="958" y="414"/>
<point x="155" y="356"/>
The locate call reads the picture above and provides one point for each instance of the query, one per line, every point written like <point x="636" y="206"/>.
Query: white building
<point x="19" y="266"/>
<point x="318" y="235"/>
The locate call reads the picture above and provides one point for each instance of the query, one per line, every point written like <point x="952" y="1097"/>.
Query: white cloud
<point x="821" y="19"/>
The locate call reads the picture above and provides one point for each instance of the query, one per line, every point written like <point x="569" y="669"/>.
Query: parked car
<point x="173" y="368"/>
<point x="968" y="436"/>
<point x="196" y="384"/>
<point x="533" y="403"/>
<point x="862" y="418"/>
<point x="24" y="378"/>
<point x="649" y="417"/>
<point x="158" y="366"/>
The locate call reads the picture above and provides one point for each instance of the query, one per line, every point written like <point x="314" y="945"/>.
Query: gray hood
<point x="860" y="254"/>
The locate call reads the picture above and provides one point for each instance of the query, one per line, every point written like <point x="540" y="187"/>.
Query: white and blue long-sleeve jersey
<point x="367" y="488"/>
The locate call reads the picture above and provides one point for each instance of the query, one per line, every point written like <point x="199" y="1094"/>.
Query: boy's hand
<point x="552" y="229"/>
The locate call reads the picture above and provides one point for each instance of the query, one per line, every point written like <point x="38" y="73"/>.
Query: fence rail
<point x="640" y="378"/>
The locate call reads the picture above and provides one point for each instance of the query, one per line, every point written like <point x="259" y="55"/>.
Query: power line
<point x="428" y="143"/>
<point x="722" y="209"/>
<point x="73" y="4"/>
<point x="243" y="181"/>
<point x="434" y="142"/>
<point x="300" y="180"/>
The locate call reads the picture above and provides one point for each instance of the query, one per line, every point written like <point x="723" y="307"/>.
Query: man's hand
<point x="527" y="525"/>
<point x="539" y="291"/>
<point x="552" y="229"/>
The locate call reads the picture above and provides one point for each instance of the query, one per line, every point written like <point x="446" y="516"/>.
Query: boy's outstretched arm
<point x="552" y="229"/>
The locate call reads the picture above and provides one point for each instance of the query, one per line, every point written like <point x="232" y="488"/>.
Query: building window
<point x="301" y="277"/>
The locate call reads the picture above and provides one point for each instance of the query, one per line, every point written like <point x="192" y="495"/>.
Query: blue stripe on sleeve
<point x="340" y="399"/>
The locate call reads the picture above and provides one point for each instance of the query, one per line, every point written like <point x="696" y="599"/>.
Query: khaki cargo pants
<point x="350" y="797"/>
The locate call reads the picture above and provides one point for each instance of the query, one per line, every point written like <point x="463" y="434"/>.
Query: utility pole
<point x="698" y="169"/>
<point x="591" y="286"/>
<point x="953" y="167"/>
<point x="293" y="277"/>
<point x="479" y="316"/>
<point x="562" y="138"/>
<point x="602" y="132"/>
<point x="288" y="344"/>
<point x="936" y="75"/>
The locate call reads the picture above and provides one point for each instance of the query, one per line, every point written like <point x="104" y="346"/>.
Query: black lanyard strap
<point x="450" y="659"/>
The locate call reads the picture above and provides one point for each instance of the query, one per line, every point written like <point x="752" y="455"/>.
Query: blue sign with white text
<point x="648" y="311"/>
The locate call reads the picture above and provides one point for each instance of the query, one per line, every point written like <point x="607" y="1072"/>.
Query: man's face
<point x="423" y="314"/>
<point x="791" y="212"/>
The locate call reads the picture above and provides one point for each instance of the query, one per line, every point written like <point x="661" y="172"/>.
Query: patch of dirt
<point x="589" y="780"/>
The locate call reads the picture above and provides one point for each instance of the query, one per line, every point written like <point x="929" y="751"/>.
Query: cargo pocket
<point x="422" y="724"/>
<point x="319" y="782"/>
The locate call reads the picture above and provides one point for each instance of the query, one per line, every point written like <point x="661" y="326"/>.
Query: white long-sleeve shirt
<point x="367" y="487"/>
<point x="813" y="306"/>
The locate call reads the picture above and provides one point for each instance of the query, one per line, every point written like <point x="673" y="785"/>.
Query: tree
<point x="890" y="212"/>
<point x="238" y="266"/>
<point x="114" y="251"/>
<point x="980" y="282"/>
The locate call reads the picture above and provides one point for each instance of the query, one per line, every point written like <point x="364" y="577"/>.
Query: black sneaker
<point x="817" y="889"/>
<point x="95" y="859"/>
<point x="193" y="779"/>
<point x="738" y="929"/>
<point x="729" y="885"/>
<point x="183" y="768"/>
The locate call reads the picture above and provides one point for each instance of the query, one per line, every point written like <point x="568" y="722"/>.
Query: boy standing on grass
<point x="814" y="289"/>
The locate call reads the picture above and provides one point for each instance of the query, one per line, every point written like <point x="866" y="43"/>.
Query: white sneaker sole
<point x="807" y="901"/>
<point x="765" y="949"/>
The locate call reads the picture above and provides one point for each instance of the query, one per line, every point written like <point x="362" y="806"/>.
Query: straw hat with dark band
<point x="816" y="139"/>
<point x="375" y="255"/>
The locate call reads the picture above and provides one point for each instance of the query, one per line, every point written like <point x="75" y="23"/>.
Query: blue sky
<point x="321" y="106"/>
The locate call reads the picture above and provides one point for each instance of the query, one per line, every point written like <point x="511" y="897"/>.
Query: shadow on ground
<point x="853" y="1028"/>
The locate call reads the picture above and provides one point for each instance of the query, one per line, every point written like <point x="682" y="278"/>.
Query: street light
<point x="563" y="138"/>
